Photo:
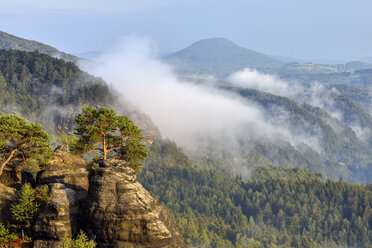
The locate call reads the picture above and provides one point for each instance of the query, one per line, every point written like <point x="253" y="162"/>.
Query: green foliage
<point x="35" y="85"/>
<point x="27" y="205"/>
<point x="20" y="139"/>
<point x="65" y="138"/>
<point x="81" y="241"/>
<point x="133" y="150"/>
<point x="340" y="152"/>
<point x="278" y="207"/>
<point x="113" y="136"/>
<point x="6" y="235"/>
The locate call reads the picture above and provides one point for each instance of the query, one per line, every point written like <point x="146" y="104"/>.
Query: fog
<point x="194" y="113"/>
<point x="182" y="110"/>
<point x="315" y="94"/>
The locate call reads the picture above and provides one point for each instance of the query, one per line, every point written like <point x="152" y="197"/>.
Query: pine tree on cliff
<point x="22" y="141"/>
<point x="111" y="135"/>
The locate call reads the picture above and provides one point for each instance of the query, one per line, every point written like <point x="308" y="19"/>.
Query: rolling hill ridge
<point x="8" y="41"/>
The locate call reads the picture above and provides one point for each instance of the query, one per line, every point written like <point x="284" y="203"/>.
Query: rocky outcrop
<point x="11" y="175"/>
<point x="6" y="196"/>
<point x="108" y="203"/>
<point x="68" y="180"/>
<point x="58" y="219"/>
<point x="123" y="214"/>
<point x="69" y="170"/>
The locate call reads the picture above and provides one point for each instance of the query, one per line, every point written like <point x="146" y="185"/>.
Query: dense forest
<point x="342" y="153"/>
<point x="32" y="83"/>
<point x="278" y="207"/>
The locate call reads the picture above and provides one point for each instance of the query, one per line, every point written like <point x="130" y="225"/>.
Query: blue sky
<point x="332" y="29"/>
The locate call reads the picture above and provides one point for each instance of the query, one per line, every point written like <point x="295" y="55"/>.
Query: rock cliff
<point x="58" y="219"/>
<point x="123" y="214"/>
<point x="68" y="179"/>
<point x="107" y="202"/>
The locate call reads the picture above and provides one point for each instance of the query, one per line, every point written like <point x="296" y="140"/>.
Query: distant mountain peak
<point x="220" y="56"/>
<point x="218" y="41"/>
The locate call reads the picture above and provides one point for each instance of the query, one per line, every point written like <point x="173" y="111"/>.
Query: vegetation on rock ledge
<point x="111" y="135"/>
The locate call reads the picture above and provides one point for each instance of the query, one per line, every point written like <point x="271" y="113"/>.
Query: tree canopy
<point x="24" y="141"/>
<point x="111" y="135"/>
<point x="277" y="207"/>
<point x="37" y="84"/>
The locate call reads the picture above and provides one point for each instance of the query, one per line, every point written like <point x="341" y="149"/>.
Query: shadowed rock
<point x="6" y="196"/>
<point x="58" y="219"/>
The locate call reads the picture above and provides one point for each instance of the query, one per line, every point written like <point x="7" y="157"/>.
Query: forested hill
<point x="278" y="207"/>
<point x="52" y="91"/>
<point x="8" y="41"/>
<point x="341" y="149"/>
<point x="41" y="87"/>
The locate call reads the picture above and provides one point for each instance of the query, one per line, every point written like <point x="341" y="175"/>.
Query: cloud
<point x="183" y="110"/>
<point x="197" y="116"/>
<point x="248" y="78"/>
<point x="315" y="94"/>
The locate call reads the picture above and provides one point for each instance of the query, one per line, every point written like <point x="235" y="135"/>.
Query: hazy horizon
<point x="331" y="30"/>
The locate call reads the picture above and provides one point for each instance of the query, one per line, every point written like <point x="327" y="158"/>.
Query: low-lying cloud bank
<point x="183" y="110"/>
<point x="192" y="113"/>
<point x="315" y="94"/>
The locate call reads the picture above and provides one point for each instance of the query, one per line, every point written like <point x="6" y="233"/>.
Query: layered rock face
<point x="58" y="219"/>
<point x="108" y="203"/>
<point x="68" y="180"/>
<point x="123" y="214"/>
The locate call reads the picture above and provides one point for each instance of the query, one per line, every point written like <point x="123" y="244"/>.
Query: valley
<point x="244" y="150"/>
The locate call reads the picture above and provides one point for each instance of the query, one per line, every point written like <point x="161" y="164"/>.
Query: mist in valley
<point x="202" y="117"/>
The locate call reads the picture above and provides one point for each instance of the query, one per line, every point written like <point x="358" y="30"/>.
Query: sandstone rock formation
<point x="108" y="203"/>
<point x="67" y="178"/>
<point x="69" y="170"/>
<point x="11" y="175"/>
<point x="6" y="196"/>
<point x="123" y="214"/>
<point x="58" y="219"/>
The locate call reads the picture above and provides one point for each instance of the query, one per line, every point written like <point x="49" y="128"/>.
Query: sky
<point x="316" y="29"/>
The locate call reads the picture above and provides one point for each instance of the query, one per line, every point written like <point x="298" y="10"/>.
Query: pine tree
<point x="111" y="135"/>
<point x="22" y="140"/>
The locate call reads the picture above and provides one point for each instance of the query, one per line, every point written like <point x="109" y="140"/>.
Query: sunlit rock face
<point x="123" y="214"/>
